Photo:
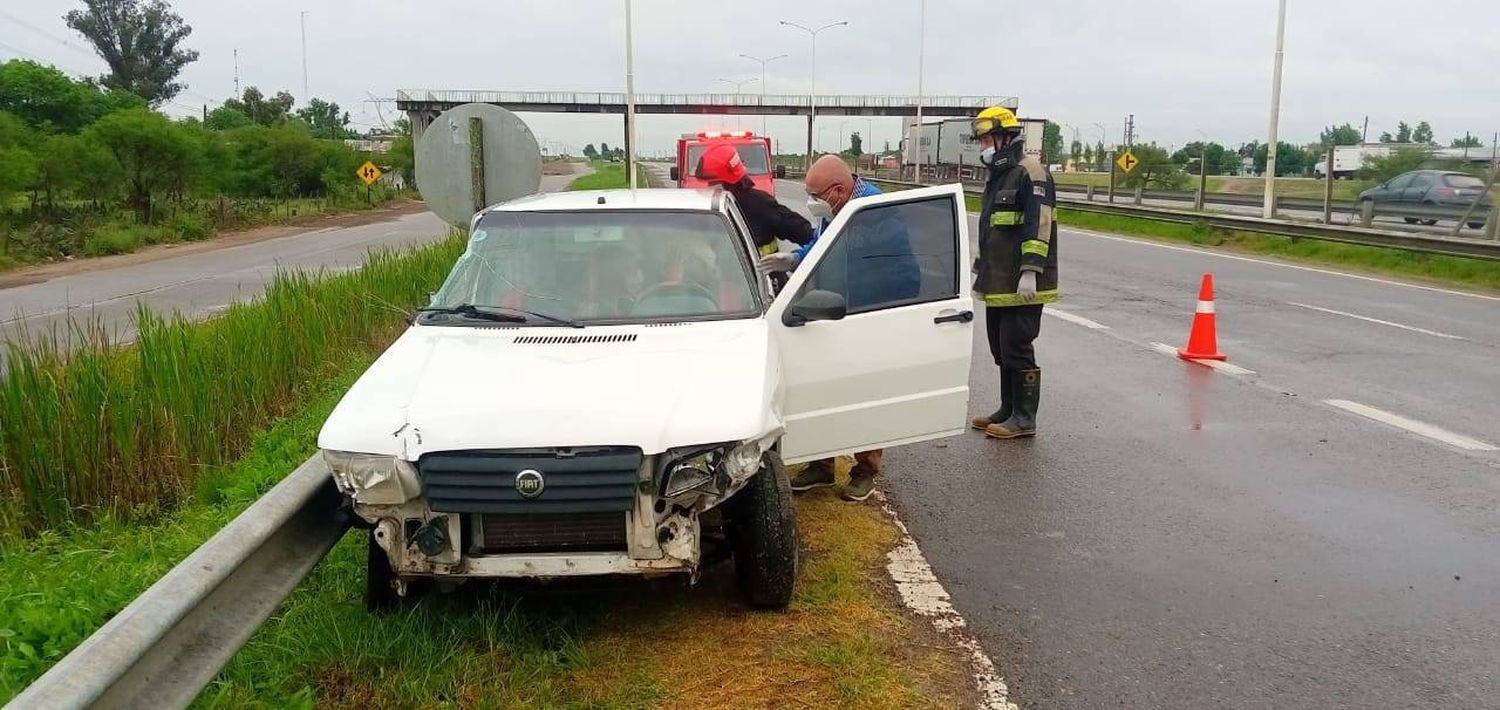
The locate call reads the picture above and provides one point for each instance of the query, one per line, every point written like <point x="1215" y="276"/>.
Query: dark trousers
<point x="1011" y="330"/>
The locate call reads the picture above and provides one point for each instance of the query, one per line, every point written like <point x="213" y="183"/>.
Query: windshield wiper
<point x="500" y="314"/>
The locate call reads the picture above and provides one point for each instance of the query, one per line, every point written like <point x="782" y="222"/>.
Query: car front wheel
<point x="765" y="537"/>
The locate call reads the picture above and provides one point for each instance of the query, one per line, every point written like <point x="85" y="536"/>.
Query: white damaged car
<point x="604" y="386"/>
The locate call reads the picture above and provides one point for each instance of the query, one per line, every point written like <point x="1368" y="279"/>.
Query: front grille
<point x="577" y="532"/>
<point x="579" y="480"/>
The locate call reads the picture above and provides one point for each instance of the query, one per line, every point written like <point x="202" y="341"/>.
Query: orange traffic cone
<point x="1203" y="344"/>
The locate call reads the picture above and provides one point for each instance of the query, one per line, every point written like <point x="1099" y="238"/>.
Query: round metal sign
<point x="474" y="156"/>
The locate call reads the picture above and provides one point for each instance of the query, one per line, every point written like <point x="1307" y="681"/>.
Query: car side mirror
<point x="814" y="306"/>
<point x="674" y="174"/>
<point x="781" y="172"/>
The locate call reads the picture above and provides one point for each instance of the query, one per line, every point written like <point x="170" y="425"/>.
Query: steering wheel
<point x="676" y="288"/>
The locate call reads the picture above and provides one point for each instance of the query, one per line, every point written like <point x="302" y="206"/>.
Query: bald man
<point x="876" y="266"/>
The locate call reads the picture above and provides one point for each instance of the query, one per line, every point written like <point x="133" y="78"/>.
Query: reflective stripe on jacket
<point x="1018" y="233"/>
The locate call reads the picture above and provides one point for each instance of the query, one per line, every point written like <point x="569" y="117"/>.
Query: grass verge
<point x="608" y="176"/>
<point x="845" y="642"/>
<point x="88" y="428"/>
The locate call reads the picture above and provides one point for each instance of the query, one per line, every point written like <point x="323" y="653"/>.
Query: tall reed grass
<point x="88" y="426"/>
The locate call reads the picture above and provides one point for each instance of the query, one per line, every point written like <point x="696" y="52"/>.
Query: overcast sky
<point x="1180" y="66"/>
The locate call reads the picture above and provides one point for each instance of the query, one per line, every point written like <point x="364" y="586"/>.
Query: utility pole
<point x="1269" y="210"/>
<point x="763" y="62"/>
<point x="629" y="100"/>
<point x="236" y="72"/>
<point x="304" y="56"/>
<point x="812" y="96"/>
<point x="921" y="60"/>
<point x="1364" y="135"/>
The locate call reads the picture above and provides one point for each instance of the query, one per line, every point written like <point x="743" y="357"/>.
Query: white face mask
<point x="987" y="156"/>
<point x="819" y="208"/>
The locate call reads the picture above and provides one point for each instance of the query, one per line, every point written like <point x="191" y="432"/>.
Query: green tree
<point x="99" y="175"/>
<point x="856" y="145"/>
<point x="1468" y="141"/>
<point x="1052" y="142"/>
<point x="590" y="152"/>
<point x="1290" y="159"/>
<point x="151" y="152"/>
<point x="1423" y="134"/>
<point x="1385" y="167"/>
<point x="226" y="118"/>
<point x="1218" y="157"/>
<point x="19" y="164"/>
<point x="1403" y="132"/>
<point x="403" y="152"/>
<point x="605" y="151"/>
<point x="1100" y="155"/>
<point x="57" y="168"/>
<point x="326" y="119"/>
<point x="1155" y="169"/>
<point x="1339" y="135"/>
<point x="261" y="110"/>
<point x="1088" y="154"/>
<point x="50" y="100"/>
<point x="140" y="41"/>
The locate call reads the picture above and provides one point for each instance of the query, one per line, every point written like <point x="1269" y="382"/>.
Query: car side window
<point x="1401" y="182"/>
<point x="893" y="255"/>
<point x="1422" y="181"/>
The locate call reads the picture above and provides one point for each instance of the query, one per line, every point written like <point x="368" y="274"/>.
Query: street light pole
<point x="812" y="96"/>
<point x="629" y="100"/>
<point x="921" y="59"/>
<point x="763" y="63"/>
<point x="305" y="97"/>
<point x="737" y="84"/>
<point x="1269" y="210"/>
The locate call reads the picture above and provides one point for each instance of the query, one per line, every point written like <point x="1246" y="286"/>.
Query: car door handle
<point x="959" y="317"/>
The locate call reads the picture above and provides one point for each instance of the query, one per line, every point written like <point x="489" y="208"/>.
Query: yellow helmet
<point x="994" y="120"/>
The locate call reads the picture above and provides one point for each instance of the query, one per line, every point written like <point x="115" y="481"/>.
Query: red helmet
<point x="721" y="163"/>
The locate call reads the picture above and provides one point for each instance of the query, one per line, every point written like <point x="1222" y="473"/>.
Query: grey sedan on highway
<point x="1443" y="188"/>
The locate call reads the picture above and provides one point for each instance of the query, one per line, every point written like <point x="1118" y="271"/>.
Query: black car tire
<point x="1476" y="225"/>
<point x="764" y="537"/>
<point x="1410" y="220"/>
<point x="1429" y="222"/>
<point x="380" y="579"/>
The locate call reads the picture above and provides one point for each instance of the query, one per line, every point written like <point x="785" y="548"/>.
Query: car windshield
<point x="1463" y="181"/>
<point x="752" y="154"/>
<point x="599" y="267"/>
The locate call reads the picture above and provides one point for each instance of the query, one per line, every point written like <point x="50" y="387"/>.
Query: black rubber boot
<point x="1022" y="421"/>
<point x="1007" y="399"/>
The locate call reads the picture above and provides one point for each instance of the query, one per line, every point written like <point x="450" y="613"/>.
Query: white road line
<point x="924" y="595"/>
<point x="1411" y="328"/>
<point x="1221" y="366"/>
<point x="1411" y="425"/>
<point x="1267" y="262"/>
<point x="1074" y="319"/>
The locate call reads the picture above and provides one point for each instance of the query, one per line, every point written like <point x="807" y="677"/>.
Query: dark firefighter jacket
<point x="1017" y="230"/>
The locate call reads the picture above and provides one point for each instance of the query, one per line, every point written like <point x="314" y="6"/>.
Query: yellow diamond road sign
<point x="1127" y="161"/>
<point x="369" y="173"/>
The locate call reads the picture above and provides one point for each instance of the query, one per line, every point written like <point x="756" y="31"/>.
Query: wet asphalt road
<point x="1179" y="537"/>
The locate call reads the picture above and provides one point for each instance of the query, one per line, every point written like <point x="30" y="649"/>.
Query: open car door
<point x="875" y="327"/>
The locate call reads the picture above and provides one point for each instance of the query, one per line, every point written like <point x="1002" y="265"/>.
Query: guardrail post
<point x="1138" y="190"/>
<point x="1493" y="228"/>
<point x="1275" y="206"/>
<point x="1367" y="212"/>
<point x="1088" y="193"/>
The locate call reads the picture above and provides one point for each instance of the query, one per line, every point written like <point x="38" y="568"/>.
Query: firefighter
<point x="1016" y="271"/>
<point x="767" y="219"/>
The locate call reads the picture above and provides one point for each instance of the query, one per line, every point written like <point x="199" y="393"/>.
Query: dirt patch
<point x="46" y="272"/>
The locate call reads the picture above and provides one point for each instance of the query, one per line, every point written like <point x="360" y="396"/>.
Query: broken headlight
<point x="373" y="479"/>
<point x="718" y="470"/>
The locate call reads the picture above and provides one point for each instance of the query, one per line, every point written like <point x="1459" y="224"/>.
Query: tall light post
<point x="763" y="63"/>
<point x="1103" y="141"/>
<point x="305" y="97"/>
<point x="812" y="95"/>
<point x="629" y="100"/>
<point x="1269" y="210"/>
<point x="843" y="134"/>
<point x="737" y="83"/>
<point x="921" y="59"/>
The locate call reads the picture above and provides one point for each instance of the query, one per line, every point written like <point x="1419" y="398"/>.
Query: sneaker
<point x="814" y="476"/>
<point x="861" y="485"/>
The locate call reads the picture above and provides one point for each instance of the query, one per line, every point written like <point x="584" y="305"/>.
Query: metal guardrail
<point x="1407" y="241"/>
<point x="1352" y="208"/>
<point x="168" y="644"/>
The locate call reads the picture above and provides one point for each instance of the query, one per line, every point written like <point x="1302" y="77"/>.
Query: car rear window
<point x="1463" y="181"/>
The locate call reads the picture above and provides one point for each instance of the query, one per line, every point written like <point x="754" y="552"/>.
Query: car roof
<point x="597" y="200"/>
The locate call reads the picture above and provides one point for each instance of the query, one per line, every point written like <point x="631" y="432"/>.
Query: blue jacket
<point x="878" y="265"/>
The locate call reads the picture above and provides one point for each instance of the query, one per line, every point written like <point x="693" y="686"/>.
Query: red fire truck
<point x="754" y="150"/>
